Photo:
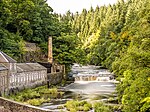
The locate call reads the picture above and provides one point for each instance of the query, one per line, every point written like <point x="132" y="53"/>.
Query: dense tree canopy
<point x="118" y="37"/>
<point x="33" y="21"/>
<point x="115" y="36"/>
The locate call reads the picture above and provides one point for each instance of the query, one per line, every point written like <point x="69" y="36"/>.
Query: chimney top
<point x="50" y="54"/>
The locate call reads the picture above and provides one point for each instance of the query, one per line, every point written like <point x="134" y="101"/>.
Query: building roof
<point x="4" y="58"/>
<point x="21" y="67"/>
<point x="2" y="67"/>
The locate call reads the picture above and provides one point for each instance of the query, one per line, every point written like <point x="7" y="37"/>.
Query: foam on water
<point x="84" y="90"/>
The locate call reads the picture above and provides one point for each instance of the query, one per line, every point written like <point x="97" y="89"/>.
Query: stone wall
<point x="54" y="78"/>
<point x="12" y="106"/>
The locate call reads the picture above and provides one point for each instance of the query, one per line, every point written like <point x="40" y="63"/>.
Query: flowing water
<point x="90" y="90"/>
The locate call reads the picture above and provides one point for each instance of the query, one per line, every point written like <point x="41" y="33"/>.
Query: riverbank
<point x="36" y="96"/>
<point x="42" y="96"/>
<point x="82" y="95"/>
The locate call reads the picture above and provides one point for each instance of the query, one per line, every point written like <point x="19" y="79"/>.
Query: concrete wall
<point x="12" y="106"/>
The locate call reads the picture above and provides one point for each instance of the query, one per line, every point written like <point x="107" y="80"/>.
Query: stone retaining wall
<point x="55" y="78"/>
<point x="13" y="106"/>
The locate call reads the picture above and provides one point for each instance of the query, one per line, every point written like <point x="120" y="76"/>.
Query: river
<point x="89" y="90"/>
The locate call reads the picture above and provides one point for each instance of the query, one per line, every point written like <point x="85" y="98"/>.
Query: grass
<point x="36" y="96"/>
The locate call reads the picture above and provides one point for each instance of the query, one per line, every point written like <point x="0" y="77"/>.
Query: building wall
<point x="13" y="80"/>
<point x="3" y="81"/>
<point x="27" y="78"/>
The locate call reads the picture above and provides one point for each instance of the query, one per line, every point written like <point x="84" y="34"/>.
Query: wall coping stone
<point x="4" y="102"/>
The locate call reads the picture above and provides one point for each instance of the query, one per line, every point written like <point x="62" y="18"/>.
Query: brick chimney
<point x="50" y="54"/>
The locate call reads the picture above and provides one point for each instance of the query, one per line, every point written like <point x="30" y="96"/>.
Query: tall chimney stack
<point x="50" y="54"/>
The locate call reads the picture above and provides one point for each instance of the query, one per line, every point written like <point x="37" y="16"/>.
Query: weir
<point x="91" y="79"/>
<point x="91" y="84"/>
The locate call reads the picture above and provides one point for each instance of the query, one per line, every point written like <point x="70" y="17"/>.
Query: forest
<point x="115" y="36"/>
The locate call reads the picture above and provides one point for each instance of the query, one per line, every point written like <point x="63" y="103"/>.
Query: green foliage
<point x="11" y="44"/>
<point x="36" y="96"/>
<point x="23" y="19"/>
<point x="66" y="49"/>
<point x="33" y="21"/>
<point x="34" y="102"/>
<point x="100" y="107"/>
<point x="87" y="107"/>
<point x="74" y="105"/>
<point x="117" y="37"/>
<point x="114" y="36"/>
<point x="37" y="102"/>
<point x="146" y="105"/>
<point x="48" y="91"/>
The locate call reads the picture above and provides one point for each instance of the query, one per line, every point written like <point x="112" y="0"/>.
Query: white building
<point x="21" y="74"/>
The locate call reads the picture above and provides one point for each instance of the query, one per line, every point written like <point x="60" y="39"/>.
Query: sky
<point x="62" y="6"/>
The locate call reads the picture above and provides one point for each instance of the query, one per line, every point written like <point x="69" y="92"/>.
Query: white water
<point x="102" y="86"/>
<point x="84" y="90"/>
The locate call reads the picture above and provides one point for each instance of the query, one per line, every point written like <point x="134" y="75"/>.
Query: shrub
<point x="86" y="109"/>
<point x="88" y="105"/>
<point x="78" y="105"/>
<point x="100" y="107"/>
<point x="35" y="102"/>
<point x="73" y="110"/>
<point x="71" y="104"/>
<point x="53" y="91"/>
<point x="81" y="103"/>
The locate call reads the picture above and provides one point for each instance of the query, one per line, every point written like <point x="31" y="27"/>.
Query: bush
<point x="100" y="107"/>
<point x="81" y="103"/>
<point x="73" y="110"/>
<point x="48" y="91"/>
<point x="36" y="96"/>
<point x="86" y="109"/>
<point x="37" y="102"/>
<point x="71" y="104"/>
<point x="78" y="105"/>
<point x="88" y="105"/>
<point x="80" y="108"/>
